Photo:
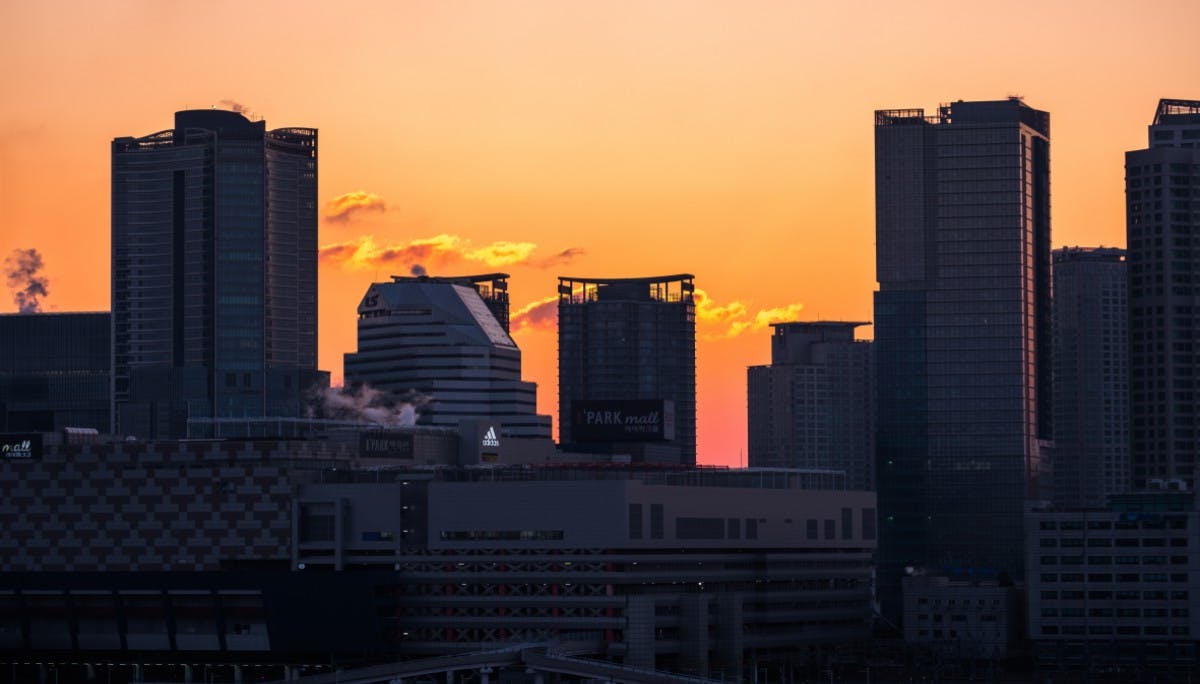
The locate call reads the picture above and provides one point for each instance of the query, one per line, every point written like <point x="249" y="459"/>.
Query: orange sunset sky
<point x="731" y="140"/>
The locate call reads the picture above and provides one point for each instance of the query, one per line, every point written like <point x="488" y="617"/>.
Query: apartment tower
<point x="813" y="406"/>
<point x="1162" y="193"/>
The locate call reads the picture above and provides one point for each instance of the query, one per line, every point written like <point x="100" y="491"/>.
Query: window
<point x="635" y="521"/>
<point x="699" y="528"/>
<point x="811" y="529"/>
<point x="830" y="529"/>
<point x="656" y="521"/>
<point x="847" y="523"/>
<point x="868" y="523"/>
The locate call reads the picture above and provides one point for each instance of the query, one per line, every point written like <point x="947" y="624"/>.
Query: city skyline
<point x="545" y="140"/>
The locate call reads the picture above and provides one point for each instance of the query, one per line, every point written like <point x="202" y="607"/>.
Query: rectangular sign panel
<point x="622" y="420"/>
<point x="386" y="445"/>
<point x="20" y="446"/>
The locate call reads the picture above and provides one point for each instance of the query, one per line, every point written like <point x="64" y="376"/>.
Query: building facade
<point x="1091" y="376"/>
<point x="436" y="345"/>
<point x="1162" y="193"/>
<point x="1113" y="589"/>
<point x="627" y="346"/>
<point x="813" y="406"/>
<point x="962" y="332"/>
<point x="54" y="371"/>
<point x="214" y="275"/>
<point x="194" y="554"/>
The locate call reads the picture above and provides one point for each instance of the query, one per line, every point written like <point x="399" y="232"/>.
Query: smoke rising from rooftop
<point x="21" y="270"/>
<point x="366" y="404"/>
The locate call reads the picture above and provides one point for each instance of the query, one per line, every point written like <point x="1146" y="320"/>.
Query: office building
<point x="350" y="552"/>
<point x="813" y="406"/>
<point x="962" y="333"/>
<point x="627" y="366"/>
<point x="214" y="273"/>
<point x="54" y="371"/>
<point x="1162" y="193"/>
<point x="962" y="618"/>
<point x="436" y="345"/>
<point x="1113" y="588"/>
<point x="1091" y="376"/>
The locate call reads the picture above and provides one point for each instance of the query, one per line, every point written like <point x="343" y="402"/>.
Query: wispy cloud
<point x="723" y="321"/>
<point x="342" y="208"/>
<point x="564" y="257"/>
<point x="539" y="315"/>
<point x="434" y="252"/>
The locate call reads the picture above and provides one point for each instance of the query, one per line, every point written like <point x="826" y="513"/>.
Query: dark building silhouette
<point x="1091" y="376"/>
<point x="1162" y="193"/>
<point x="813" y="406"/>
<point x="339" y="553"/>
<point x="627" y="366"/>
<point x="962" y="332"/>
<point x="214" y="281"/>
<point x="440" y="346"/>
<point x="54" y="371"/>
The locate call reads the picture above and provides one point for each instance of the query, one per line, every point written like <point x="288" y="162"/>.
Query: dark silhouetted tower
<point x="812" y="407"/>
<point x="628" y="345"/>
<point x="962" y="332"/>
<point x="1091" y="376"/>
<point x="442" y="344"/>
<point x="1162" y="193"/>
<point x="214" y="273"/>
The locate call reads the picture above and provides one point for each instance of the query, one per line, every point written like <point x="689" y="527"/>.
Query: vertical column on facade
<point x="693" y="633"/>
<point x="639" y="631"/>
<point x="730" y="641"/>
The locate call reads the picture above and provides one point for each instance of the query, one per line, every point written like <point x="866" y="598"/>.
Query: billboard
<point x="20" y="446"/>
<point x="386" y="445"/>
<point x="622" y="420"/>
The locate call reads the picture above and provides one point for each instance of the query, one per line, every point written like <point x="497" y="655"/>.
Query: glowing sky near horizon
<point x="731" y="140"/>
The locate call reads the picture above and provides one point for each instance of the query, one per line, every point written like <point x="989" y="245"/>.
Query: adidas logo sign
<point x="490" y="439"/>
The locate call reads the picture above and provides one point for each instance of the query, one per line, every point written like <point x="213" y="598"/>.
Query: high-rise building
<point x="1162" y="193"/>
<point x="214" y="273"/>
<point x="627" y="366"/>
<point x="1091" y="376"/>
<point x="438" y="345"/>
<point x="813" y="406"/>
<point x="962" y="332"/>
<point x="54" y="371"/>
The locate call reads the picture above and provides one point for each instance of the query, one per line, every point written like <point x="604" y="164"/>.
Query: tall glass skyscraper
<point x="627" y="366"/>
<point x="962" y="333"/>
<point x="1162" y="193"/>
<point x="214" y="273"/>
<point x="1091" y="376"/>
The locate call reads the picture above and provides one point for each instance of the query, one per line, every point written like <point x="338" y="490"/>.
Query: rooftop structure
<point x="492" y="289"/>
